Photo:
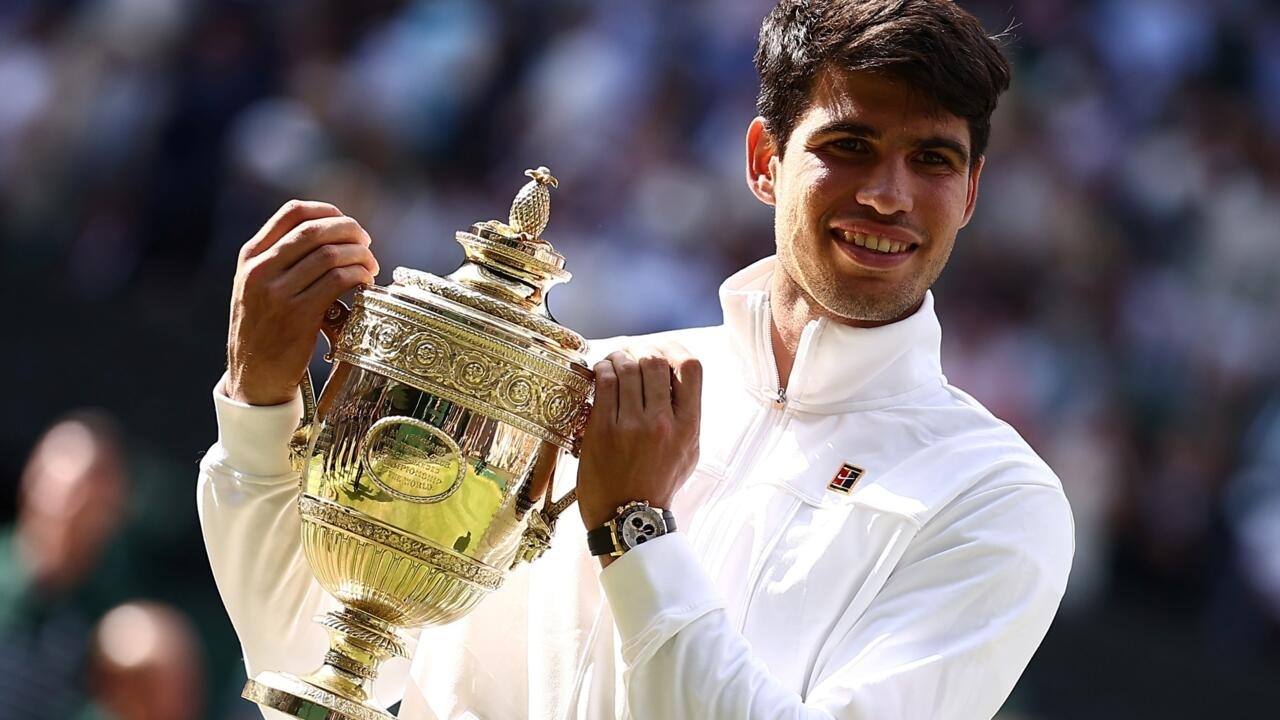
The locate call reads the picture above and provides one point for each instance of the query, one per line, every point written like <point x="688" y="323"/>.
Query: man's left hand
<point x="641" y="441"/>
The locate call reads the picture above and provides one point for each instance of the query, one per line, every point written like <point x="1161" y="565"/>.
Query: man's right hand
<point x="303" y="259"/>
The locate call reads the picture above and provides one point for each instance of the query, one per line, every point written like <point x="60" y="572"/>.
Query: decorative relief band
<point x="348" y="665"/>
<point x="375" y="635"/>
<point x="445" y="561"/>
<point x="298" y="696"/>
<point x="460" y="294"/>
<point x="544" y="399"/>
<point x="514" y="256"/>
<point x="544" y="255"/>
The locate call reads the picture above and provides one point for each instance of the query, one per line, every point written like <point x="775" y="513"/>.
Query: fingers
<point x="323" y="259"/>
<point x="630" y="383"/>
<point x="307" y="256"/>
<point x="605" y="407"/>
<point x="333" y="284"/>
<point x="289" y="216"/>
<point x="650" y="381"/>
<point x="310" y="236"/>
<point x="655" y="373"/>
<point x="686" y="385"/>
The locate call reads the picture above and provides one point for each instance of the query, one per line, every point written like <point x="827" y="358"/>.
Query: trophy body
<point x="425" y="460"/>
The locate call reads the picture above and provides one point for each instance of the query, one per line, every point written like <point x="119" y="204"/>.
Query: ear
<point x="971" y="200"/>
<point x="762" y="158"/>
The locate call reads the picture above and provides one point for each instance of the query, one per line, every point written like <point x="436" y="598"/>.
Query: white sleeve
<point x="247" y="501"/>
<point x="946" y="638"/>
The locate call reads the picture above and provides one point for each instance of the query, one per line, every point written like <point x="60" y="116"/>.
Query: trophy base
<point x="293" y="696"/>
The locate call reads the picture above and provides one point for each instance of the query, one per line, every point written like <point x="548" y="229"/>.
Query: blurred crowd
<point x="1114" y="298"/>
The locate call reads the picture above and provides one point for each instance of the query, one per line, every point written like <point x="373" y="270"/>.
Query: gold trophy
<point x="430" y="450"/>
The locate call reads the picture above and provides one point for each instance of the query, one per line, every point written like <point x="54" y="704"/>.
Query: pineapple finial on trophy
<point x="531" y="209"/>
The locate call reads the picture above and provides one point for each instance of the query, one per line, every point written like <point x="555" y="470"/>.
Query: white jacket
<point x="921" y="594"/>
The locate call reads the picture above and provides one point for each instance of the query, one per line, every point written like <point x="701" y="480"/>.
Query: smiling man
<point x="815" y="523"/>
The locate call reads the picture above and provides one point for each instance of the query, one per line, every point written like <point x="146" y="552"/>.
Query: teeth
<point x="873" y="242"/>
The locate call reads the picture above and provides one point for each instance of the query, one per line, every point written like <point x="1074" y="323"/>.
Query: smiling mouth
<point x="874" y="243"/>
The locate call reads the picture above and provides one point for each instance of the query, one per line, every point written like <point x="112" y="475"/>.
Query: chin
<point x="873" y="308"/>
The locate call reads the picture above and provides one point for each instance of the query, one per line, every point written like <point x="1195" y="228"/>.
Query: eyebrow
<point x="932" y="142"/>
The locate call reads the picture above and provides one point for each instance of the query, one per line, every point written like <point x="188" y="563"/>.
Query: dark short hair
<point x="932" y="45"/>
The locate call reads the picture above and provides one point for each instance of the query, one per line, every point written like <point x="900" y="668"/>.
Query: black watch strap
<point x="600" y="541"/>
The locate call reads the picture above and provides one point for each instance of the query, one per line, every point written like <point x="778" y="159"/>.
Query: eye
<point x="930" y="157"/>
<point x="941" y="162"/>
<point x="850" y="144"/>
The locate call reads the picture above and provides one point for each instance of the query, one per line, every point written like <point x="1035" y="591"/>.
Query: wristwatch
<point x="636" y="523"/>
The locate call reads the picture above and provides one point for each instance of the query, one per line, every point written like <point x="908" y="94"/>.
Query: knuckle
<point x="308" y="230"/>
<point x="653" y="362"/>
<point x="255" y="274"/>
<point x="290" y="212"/>
<point x="329" y="255"/>
<point x="338" y="275"/>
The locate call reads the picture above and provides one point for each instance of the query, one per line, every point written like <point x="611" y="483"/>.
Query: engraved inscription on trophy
<point x="412" y="460"/>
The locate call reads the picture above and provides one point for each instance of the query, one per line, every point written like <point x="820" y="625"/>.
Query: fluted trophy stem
<point x="342" y="688"/>
<point x="358" y="644"/>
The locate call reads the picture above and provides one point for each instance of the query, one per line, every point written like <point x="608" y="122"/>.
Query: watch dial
<point x="639" y="526"/>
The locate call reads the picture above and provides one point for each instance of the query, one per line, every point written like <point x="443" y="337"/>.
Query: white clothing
<point x="921" y="594"/>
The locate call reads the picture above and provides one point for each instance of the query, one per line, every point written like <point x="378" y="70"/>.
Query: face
<point x="73" y="498"/>
<point x="869" y="195"/>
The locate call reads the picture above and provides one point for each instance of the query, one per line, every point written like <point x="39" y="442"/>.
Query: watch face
<point x="640" y="525"/>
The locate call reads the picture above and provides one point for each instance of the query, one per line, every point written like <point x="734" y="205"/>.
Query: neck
<point x="791" y="310"/>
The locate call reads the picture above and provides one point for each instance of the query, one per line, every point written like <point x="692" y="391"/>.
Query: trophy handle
<point x="335" y="319"/>
<point x="542" y="521"/>
<point x="551" y="511"/>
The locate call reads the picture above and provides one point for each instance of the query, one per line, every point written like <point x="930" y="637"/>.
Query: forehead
<point x="879" y="101"/>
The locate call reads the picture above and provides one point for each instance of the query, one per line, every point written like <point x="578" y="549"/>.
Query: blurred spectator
<point x="56" y="575"/>
<point x="145" y="665"/>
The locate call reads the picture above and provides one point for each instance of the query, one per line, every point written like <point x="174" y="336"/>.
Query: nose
<point x="886" y="189"/>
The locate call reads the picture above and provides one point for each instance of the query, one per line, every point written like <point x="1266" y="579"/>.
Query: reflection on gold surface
<point x="491" y="456"/>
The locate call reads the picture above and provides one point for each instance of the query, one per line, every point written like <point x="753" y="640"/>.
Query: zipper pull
<point x="781" y="399"/>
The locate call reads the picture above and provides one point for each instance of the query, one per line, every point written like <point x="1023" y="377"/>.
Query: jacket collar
<point x="838" y="368"/>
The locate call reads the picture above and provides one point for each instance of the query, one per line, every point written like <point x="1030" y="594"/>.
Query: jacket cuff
<point x="654" y="591"/>
<point x="254" y="439"/>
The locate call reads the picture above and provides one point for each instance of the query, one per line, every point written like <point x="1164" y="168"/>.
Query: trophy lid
<point x="507" y="272"/>
<point x="482" y="337"/>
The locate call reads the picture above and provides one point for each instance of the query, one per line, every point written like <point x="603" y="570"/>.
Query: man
<point x="145" y="664"/>
<point x="857" y="539"/>
<point x="60" y="567"/>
